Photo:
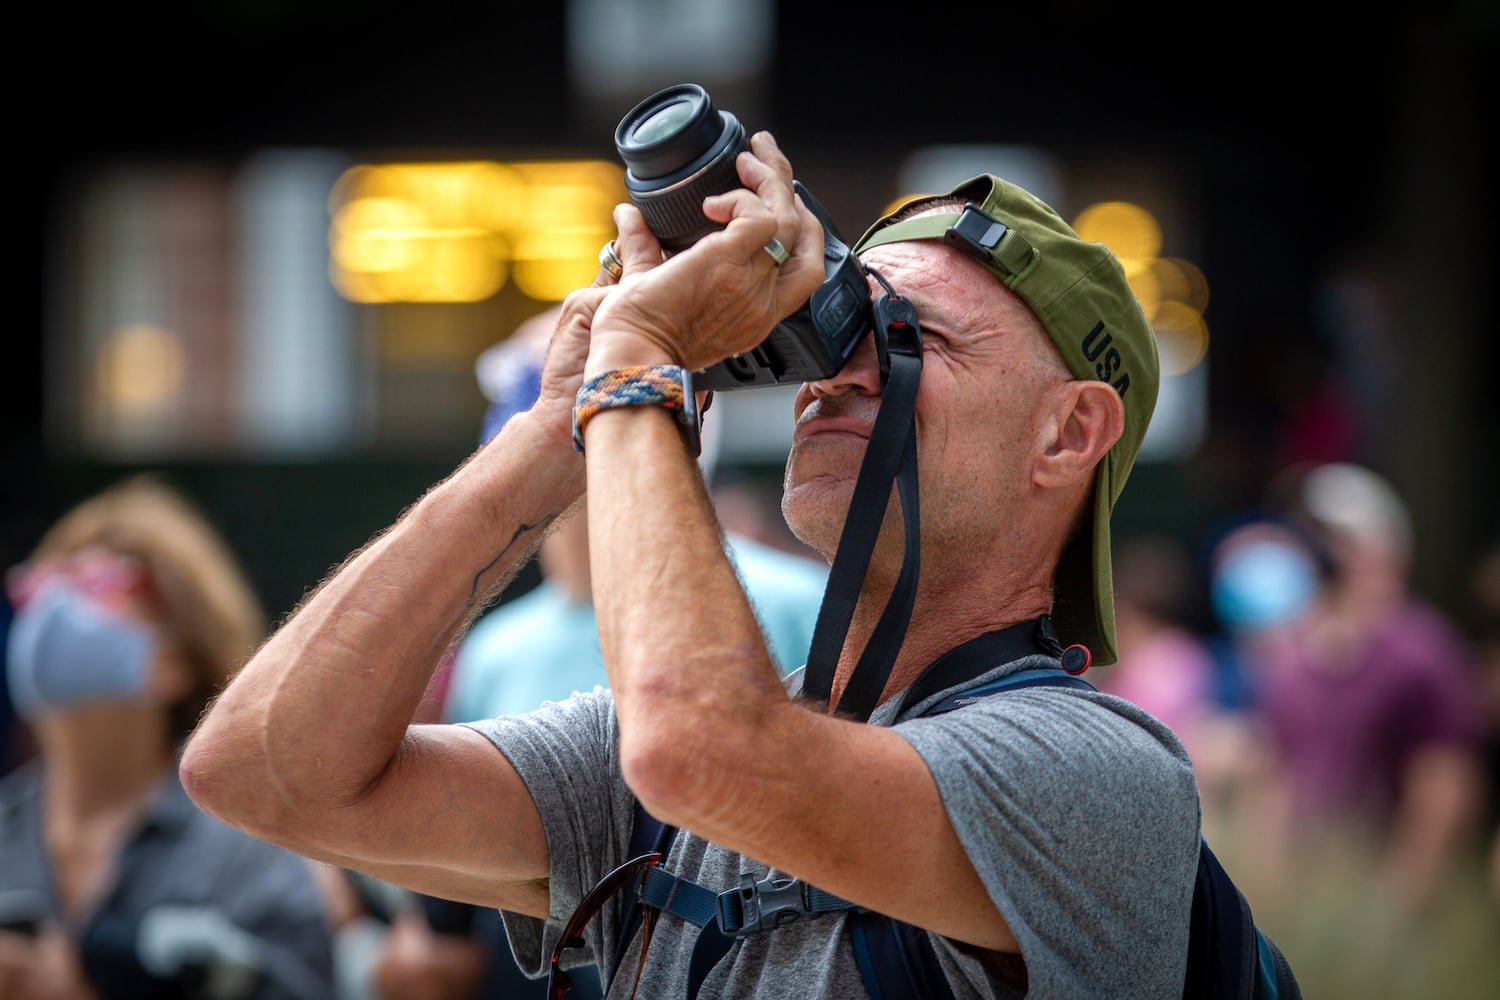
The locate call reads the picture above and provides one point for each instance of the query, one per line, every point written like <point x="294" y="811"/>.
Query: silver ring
<point x="778" y="251"/>
<point x="610" y="261"/>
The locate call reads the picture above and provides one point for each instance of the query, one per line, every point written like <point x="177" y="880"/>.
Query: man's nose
<point x="861" y="373"/>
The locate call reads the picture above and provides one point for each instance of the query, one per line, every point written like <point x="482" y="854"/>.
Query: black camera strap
<point x="890" y="457"/>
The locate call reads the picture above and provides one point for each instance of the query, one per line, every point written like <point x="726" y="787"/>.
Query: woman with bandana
<point x="129" y="616"/>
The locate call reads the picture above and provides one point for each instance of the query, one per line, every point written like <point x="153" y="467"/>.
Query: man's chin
<point x="814" y="509"/>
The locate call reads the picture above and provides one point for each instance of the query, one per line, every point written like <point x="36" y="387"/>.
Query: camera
<point x="678" y="149"/>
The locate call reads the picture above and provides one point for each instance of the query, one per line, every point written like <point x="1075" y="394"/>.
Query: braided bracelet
<point x="639" y="385"/>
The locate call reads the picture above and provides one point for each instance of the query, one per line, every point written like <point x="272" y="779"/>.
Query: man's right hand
<point x="722" y="295"/>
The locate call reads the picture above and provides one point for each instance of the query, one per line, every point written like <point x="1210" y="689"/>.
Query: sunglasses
<point x="102" y="576"/>
<point x="558" y="983"/>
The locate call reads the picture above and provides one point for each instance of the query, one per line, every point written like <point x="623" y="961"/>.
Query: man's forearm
<point x="686" y="657"/>
<point x="322" y="707"/>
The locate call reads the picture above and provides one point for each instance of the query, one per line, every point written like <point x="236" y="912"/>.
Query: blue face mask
<point x="64" y="649"/>
<point x="1261" y="585"/>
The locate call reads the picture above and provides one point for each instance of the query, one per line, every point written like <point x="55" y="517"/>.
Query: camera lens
<point x="663" y="123"/>
<point x="678" y="149"/>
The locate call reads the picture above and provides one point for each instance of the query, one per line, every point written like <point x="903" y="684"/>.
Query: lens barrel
<point x="678" y="149"/>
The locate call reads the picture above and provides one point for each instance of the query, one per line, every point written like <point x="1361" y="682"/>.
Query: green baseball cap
<point x="1079" y="292"/>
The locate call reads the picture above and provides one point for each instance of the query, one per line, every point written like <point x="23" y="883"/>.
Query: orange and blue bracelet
<point x="639" y="385"/>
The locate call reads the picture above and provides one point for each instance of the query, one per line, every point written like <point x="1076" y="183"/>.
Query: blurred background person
<point x="131" y="613"/>
<point x="542" y="645"/>
<point x="1363" y="827"/>
<point x="1194" y="679"/>
<point x="1263" y="574"/>
<point x="394" y="944"/>
<point x="1373" y="701"/>
<point x="1356" y="787"/>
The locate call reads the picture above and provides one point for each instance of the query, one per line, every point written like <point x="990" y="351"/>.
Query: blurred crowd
<point x="1346" y="733"/>
<point x="1345" y="730"/>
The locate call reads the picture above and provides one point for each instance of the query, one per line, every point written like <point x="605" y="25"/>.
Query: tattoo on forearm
<point x="522" y="531"/>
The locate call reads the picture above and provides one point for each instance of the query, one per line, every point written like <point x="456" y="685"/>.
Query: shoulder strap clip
<point x="754" y="906"/>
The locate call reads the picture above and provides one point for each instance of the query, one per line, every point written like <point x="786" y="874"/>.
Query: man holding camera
<point x="1043" y="840"/>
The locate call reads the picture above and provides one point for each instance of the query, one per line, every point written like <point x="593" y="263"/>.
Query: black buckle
<point x="896" y="327"/>
<point x="761" y="905"/>
<point x="975" y="233"/>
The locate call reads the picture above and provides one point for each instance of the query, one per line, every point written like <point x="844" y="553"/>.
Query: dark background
<point x="1303" y="135"/>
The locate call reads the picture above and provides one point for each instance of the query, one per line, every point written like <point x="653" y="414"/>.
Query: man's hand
<point x="562" y="373"/>
<point x="724" y="294"/>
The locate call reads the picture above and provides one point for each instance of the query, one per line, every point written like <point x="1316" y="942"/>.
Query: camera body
<point x="679" y="149"/>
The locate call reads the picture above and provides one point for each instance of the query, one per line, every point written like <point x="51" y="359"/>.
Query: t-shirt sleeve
<point x="1082" y="819"/>
<point x="566" y="753"/>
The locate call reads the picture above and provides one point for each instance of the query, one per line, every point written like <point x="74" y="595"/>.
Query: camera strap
<point x="890" y="457"/>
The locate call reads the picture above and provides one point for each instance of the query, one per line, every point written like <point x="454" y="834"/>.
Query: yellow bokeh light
<point x="1128" y="229"/>
<point x="1181" y="337"/>
<point x="378" y="234"/>
<point x="1148" y="292"/>
<point x="456" y="232"/>
<point x="1181" y="281"/>
<point x="458" y="272"/>
<point x="140" y="367"/>
<point x="550" y="263"/>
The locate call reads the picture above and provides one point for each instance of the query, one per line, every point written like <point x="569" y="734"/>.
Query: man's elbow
<point x="231" y="785"/>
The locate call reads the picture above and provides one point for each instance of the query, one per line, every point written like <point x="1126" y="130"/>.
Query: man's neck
<point x="939" y="622"/>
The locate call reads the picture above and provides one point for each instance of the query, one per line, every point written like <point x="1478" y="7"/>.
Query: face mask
<point x="64" y="649"/>
<point x="1261" y="585"/>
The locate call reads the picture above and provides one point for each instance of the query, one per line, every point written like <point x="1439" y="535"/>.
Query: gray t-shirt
<point x="1078" y="810"/>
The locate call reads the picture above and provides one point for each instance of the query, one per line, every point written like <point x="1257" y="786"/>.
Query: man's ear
<point x="1085" y="420"/>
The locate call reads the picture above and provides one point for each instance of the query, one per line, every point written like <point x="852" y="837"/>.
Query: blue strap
<point x="1033" y="677"/>
<point x="1266" y="989"/>
<point x="679" y="897"/>
<point x="860" y="941"/>
<point x="896" y="960"/>
<point x="750" y="908"/>
<point x="711" y="947"/>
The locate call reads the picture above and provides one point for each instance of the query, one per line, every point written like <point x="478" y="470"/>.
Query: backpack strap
<point x="896" y="960"/>
<point x="960" y="665"/>
<point x="1213" y="970"/>
<point x="723" y="918"/>
<point x="1229" y="958"/>
<point x="677" y="896"/>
